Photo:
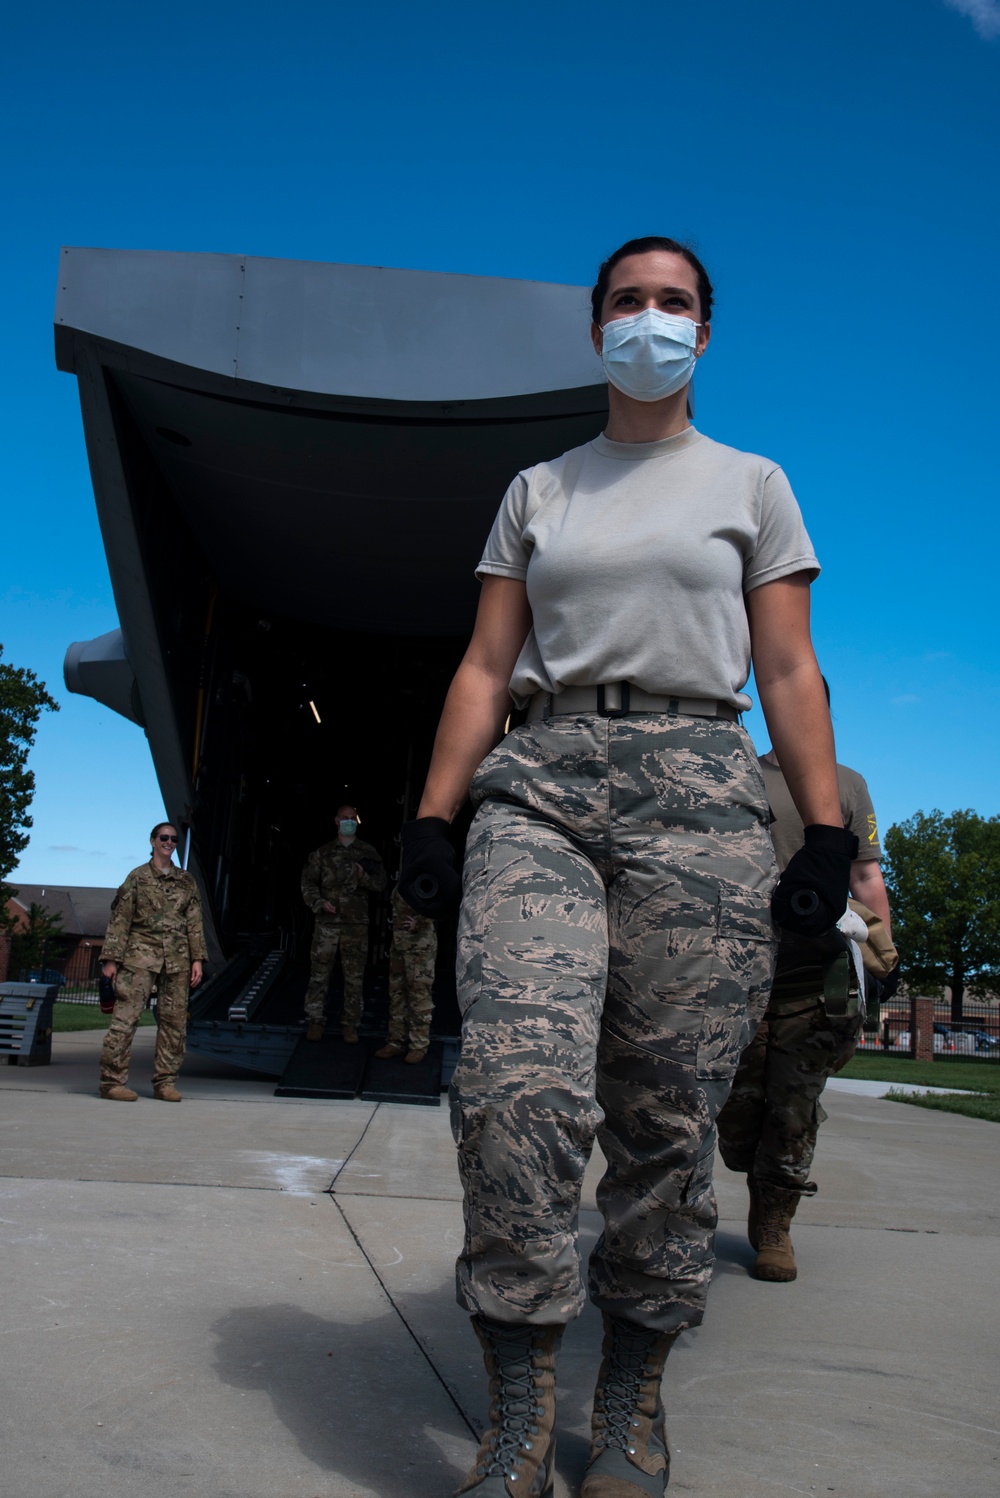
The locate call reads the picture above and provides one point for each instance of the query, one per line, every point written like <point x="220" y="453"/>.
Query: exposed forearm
<point x="793" y="698"/>
<point x="798" y="721"/>
<point x="474" y="713"/>
<point x="868" y="886"/>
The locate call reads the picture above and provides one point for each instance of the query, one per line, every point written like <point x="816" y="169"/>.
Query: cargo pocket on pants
<point x="473" y="919"/>
<point x="700" y="1179"/>
<point x="739" y="989"/>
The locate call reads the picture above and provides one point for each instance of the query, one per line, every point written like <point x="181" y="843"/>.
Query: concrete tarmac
<point x="243" y="1296"/>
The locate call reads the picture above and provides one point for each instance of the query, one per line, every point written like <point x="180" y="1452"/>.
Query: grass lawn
<point x="980" y="1076"/>
<point x="88" y="1017"/>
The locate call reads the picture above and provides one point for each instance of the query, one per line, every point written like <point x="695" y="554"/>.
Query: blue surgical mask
<point x="348" y="827"/>
<point x="650" y="355"/>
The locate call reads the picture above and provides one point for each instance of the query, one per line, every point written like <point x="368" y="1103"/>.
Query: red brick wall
<point x="922" y="1029"/>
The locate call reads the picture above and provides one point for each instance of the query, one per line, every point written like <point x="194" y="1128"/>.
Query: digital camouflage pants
<point x="352" y="943"/>
<point x="411" y="982"/>
<point x="768" y="1127"/>
<point x="133" y="987"/>
<point x="615" y="953"/>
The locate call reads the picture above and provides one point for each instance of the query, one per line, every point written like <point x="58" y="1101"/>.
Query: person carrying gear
<point x="336" y="882"/>
<point x="411" y="980"/>
<point x="154" y="940"/>
<point x="615" y="945"/>
<point x="768" y="1127"/>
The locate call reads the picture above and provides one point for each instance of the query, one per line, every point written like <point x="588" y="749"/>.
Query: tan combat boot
<point x="516" y="1457"/>
<point x="391" y="1050"/>
<point x="414" y="1057"/>
<point x="629" y="1455"/>
<point x="167" y="1093"/>
<point x="775" y="1255"/>
<point x="119" y="1094"/>
<point x="315" y="1030"/>
<point x="350" y="1034"/>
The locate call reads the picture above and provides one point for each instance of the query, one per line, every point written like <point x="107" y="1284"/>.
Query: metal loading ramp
<point x="250" y="1016"/>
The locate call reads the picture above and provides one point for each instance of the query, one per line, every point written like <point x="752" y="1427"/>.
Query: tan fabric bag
<point x="877" y="953"/>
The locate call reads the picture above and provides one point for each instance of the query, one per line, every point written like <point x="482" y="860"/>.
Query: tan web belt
<point x="620" y="698"/>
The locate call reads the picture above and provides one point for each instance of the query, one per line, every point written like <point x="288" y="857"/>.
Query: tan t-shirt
<point x="637" y="557"/>
<point x="855" y="805"/>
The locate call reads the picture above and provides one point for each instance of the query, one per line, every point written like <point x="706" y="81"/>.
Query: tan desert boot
<point x="775" y="1254"/>
<point x="517" y="1453"/>
<point x="629" y="1454"/>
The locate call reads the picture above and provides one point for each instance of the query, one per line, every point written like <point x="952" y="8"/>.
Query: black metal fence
<point x="73" y="970"/>
<point x="976" y="1036"/>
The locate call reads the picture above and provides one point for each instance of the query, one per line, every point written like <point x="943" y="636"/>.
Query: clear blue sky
<point x="835" y="165"/>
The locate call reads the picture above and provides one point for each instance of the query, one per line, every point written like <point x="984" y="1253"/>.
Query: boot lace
<point x="622" y="1391"/>
<point x="517" y="1409"/>
<point x="772" y="1235"/>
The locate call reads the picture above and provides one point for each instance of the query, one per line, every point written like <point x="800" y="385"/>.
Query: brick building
<point x="84" y="912"/>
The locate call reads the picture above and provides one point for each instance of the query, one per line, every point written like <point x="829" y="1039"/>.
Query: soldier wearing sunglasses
<point x="155" y="939"/>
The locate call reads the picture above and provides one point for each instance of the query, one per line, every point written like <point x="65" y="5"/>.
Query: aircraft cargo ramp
<point x="251" y="1017"/>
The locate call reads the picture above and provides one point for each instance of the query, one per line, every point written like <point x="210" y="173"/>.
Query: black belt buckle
<point x="614" y="712"/>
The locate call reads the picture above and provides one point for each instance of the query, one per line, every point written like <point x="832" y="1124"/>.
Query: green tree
<point x="23" y="699"/>
<point x="943" y="878"/>
<point x="38" y="944"/>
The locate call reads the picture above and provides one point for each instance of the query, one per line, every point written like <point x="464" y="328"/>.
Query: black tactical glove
<point x="811" y="894"/>
<point x="887" y="986"/>
<point x="429" y="882"/>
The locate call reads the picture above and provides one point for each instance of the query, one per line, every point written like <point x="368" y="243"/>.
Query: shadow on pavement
<point x="355" y="1402"/>
<point x="733" y="1254"/>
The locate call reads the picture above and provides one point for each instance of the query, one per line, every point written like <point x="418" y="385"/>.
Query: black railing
<point x="74" y="972"/>
<point x="976" y="1037"/>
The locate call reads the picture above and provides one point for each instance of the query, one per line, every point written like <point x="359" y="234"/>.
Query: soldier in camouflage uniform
<point x="154" y="939"/>
<point x="336" y="882"/>
<point x="411" y="980"/>
<point x="615" y="942"/>
<point x="769" y="1126"/>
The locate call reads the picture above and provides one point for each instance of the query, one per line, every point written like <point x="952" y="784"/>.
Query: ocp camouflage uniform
<point x="615" y="954"/>
<point x="330" y="875"/>
<point x="411" y="976"/>
<point x="155" y="934"/>
<point x="769" y="1126"/>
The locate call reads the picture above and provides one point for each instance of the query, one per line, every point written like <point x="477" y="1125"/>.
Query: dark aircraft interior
<point x="294" y="572"/>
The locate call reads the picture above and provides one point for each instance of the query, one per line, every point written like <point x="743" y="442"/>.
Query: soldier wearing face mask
<point x="615" y="941"/>
<point x="336" y="882"/>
